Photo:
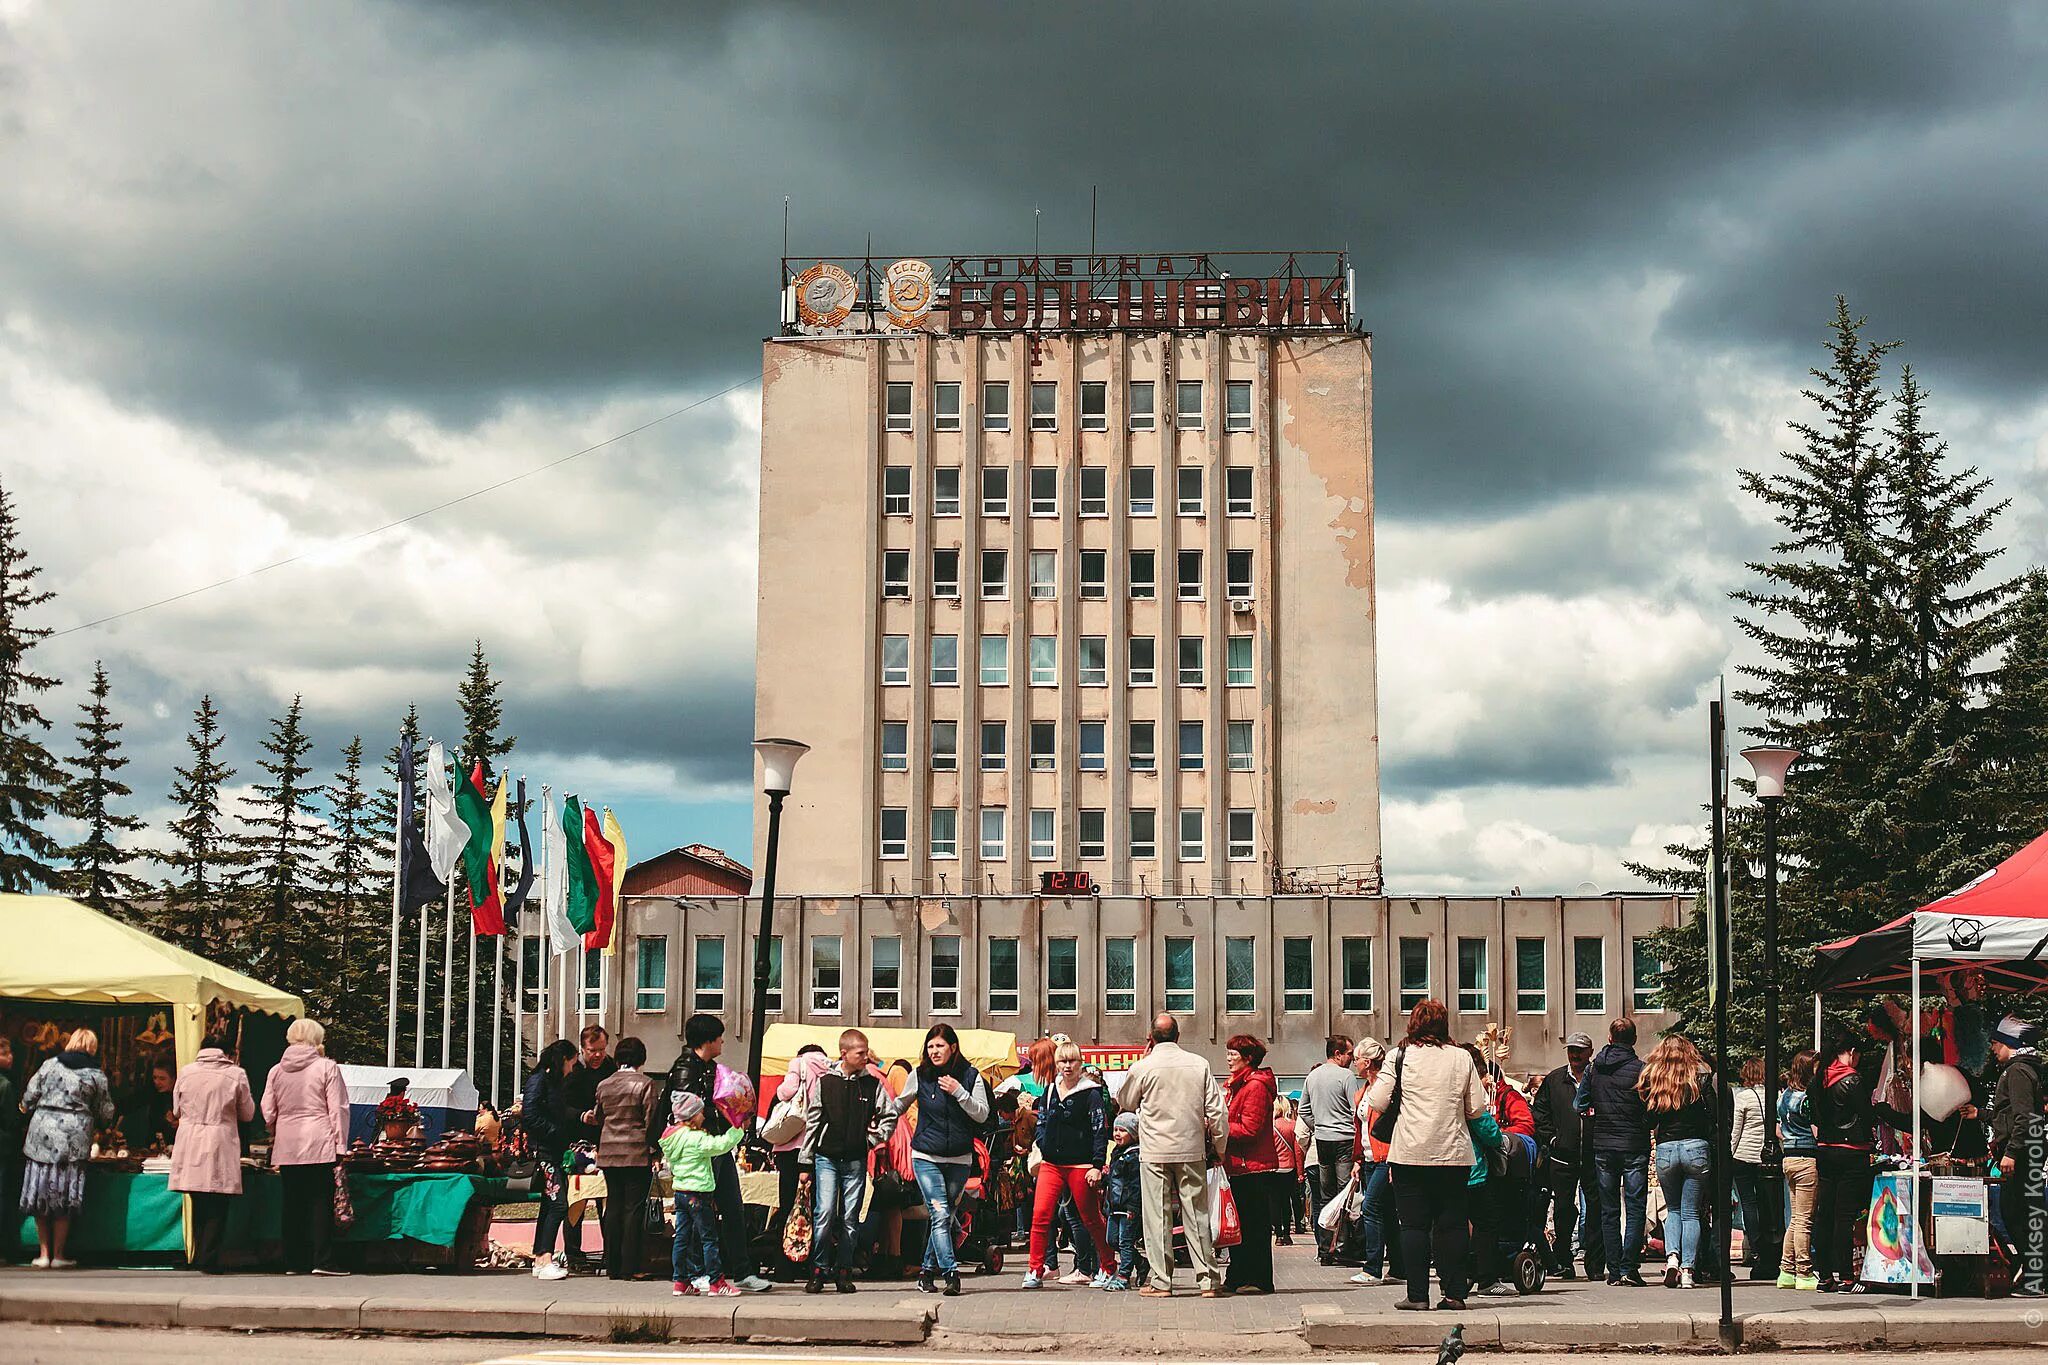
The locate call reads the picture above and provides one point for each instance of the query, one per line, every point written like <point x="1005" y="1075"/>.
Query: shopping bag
<point x="796" y="1230"/>
<point x="785" y="1123"/>
<point x="344" y="1208"/>
<point x="1225" y="1228"/>
<point x="1338" y="1208"/>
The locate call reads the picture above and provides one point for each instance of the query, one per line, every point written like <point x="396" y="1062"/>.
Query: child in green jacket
<point x="689" y="1151"/>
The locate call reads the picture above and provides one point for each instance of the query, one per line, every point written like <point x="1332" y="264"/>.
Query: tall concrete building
<point x="1066" y="569"/>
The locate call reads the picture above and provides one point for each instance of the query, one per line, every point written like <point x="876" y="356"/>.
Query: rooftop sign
<point x="1201" y="291"/>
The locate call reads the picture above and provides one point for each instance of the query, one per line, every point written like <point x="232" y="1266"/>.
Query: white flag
<point x="562" y="935"/>
<point x="447" y="835"/>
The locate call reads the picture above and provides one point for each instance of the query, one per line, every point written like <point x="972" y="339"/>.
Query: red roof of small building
<point x="691" y="870"/>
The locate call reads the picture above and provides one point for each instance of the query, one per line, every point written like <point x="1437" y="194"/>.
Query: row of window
<point x="1091" y="661"/>
<point x="1141" y="403"/>
<point x="1141" y="491"/>
<point x="1044" y="834"/>
<point x="1119" y="979"/>
<point x="1140" y="748"/>
<point x="1044" y="581"/>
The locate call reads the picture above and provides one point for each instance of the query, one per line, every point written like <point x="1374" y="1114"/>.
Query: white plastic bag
<point x="1943" y="1090"/>
<point x="1334" y="1212"/>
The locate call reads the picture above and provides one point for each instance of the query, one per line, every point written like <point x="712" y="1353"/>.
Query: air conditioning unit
<point x="1241" y="605"/>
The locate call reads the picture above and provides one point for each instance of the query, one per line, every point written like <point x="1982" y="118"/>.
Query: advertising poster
<point x="1894" y="1252"/>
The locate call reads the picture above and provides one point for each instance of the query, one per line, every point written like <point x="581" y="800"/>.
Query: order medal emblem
<point x="908" y="292"/>
<point x="824" y="295"/>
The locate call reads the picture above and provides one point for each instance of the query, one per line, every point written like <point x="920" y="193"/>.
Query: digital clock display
<point x="1065" y="884"/>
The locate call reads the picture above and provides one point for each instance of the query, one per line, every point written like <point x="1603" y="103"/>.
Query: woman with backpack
<point x="953" y="1108"/>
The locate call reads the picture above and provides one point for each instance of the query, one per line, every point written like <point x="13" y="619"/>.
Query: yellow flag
<point x="498" y="826"/>
<point x="616" y="837"/>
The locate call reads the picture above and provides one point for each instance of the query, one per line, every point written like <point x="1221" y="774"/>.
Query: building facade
<point x="1289" y="970"/>
<point x="1069" y="599"/>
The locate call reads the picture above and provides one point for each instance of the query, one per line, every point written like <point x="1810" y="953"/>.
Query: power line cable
<point x="416" y="516"/>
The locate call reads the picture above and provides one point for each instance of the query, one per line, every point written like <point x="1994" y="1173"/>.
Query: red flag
<point x="481" y="855"/>
<point x="601" y="858"/>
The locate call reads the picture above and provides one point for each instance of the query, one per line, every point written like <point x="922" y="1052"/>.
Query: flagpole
<point x="419" y="996"/>
<point x="469" y="1006"/>
<point x="448" y="974"/>
<point x="519" y="1006"/>
<point x="391" y="1004"/>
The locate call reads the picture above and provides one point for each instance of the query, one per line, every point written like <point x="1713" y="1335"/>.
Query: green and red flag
<point x="602" y="857"/>
<point x="581" y="881"/>
<point x="485" y="817"/>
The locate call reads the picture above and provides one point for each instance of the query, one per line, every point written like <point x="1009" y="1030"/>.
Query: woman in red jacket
<point x="1252" y="1161"/>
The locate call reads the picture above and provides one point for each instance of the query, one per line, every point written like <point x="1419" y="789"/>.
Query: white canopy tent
<point x="447" y="1098"/>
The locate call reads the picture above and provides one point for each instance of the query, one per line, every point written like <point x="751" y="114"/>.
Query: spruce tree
<point x="360" y="928"/>
<point x="2014" y="797"/>
<point x="31" y="783"/>
<point x="98" y="872"/>
<point x="482" y="714"/>
<point x="383" y="809"/>
<point x="285" y="935"/>
<point x="202" y="858"/>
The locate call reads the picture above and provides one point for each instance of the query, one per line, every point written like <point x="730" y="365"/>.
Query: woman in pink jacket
<point x="306" y="1106"/>
<point x="209" y="1103"/>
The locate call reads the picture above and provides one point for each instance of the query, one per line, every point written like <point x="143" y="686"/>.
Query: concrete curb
<point x="1896" y="1324"/>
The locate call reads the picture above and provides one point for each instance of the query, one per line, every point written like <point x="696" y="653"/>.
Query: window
<point x="1094" y="661"/>
<point x="1646" y="975"/>
<point x="1144" y="482"/>
<point x="994" y="834"/>
<point x="1357" y="978"/>
<point x="1241" y="826"/>
<point x="1144" y="661"/>
<point x="1237" y="573"/>
<point x="1143" y="417"/>
<point x="896" y="490"/>
<point x="945" y="746"/>
<point x="1180" y="975"/>
<point x="650" y="974"/>
<point x="895" y="746"/>
<point x="1187" y="404"/>
<point x="995" y="406"/>
<point x="824" y="973"/>
<point x="995" y="491"/>
<point x="1003" y="987"/>
<point x="1192" y="821"/>
<point x="1144" y="833"/>
<point x="1141" y="746"/>
<point x="1414" y="972"/>
<point x="1045" y="491"/>
<point x="1190" y="575"/>
<point x="1191" y="746"/>
<point x="1143" y="580"/>
<point x="1094" y="491"/>
<point x="1044" y="838"/>
<point x="995" y="745"/>
<point x="1191" y="670"/>
<point x="896" y="410"/>
<point x="1237" y="405"/>
<point x="1094" y="406"/>
<point x="1120" y="976"/>
<point x="895" y="573"/>
<point x="945" y="661"/>
<point x="1094" y="833"/>
<point x="1045" y="583"/>
<point x="995" y="575"/>
<point x="1094" y="575"/>
<point x="1298" y="975"/>
<point x="946" y="406"/>
<point x="593" y="981"/>
<point x="946" y="491"/>
<point x="885" y="975"/>
<point x="895" y="832"/>
<point x="1589" y="976"/>
<point x="896" y="660"/>
<point x="1044" y="405"/>
<point x="1092" y="757"/>
<point x="995" y="660"/>
<point x="1472" y="992"/>
<point x="1238" y="662"/>
<point x="1237" y="491"/>
<point x="1532" y="995"/>
<point x="1044" y="745"/>
<point x="775" y="974"/>
<point x="1240" y="975"/>
<point x="1062" y="976"/>
<point x="1187" y="488"/>
<point x="945" y="974"/>
<point x="708" y="982"/>
<point x="1045" y="661"/>
<point x="1239" y="733"/>
<point x="945" y="573"/>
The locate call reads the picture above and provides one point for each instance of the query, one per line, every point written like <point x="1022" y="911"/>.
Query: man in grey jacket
<point x="1182" y="1126"/>
<point x="1329" y="1114"/>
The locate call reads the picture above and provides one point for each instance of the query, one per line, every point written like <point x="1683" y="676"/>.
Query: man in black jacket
<point x="1620" y="1136"/>
<point x="2017" y="1139"/>
<point x="696" y="1072"/>
<point x="594" y="1066"/>
<point x="1561" y="1150"/>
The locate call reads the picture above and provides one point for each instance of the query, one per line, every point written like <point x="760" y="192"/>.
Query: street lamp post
<point x="1771" y="763"/>
<point x="778" y="765"/>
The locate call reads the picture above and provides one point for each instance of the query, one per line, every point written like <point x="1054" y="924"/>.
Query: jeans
<point x="735" y="1242"/>
<point x="1333" y="1169"/>
<point x="1762" y="1231"/>
<point x="696" y="1250"/>
<point x="837" y="1184"/>
<point x="1432" y="1204"/>
<point x="1624" y="1182"/>
<point x="1124" y="1232"/>
<point x="1682" y="1175"/>
<point x="2024" y="1210"/>
<point x="1376" y="1182"/>
<point x="941" y="1183"/>
<point x="1840" y="1205"/>
<point x="1801" y="1178"/>
<point x="554" y="1204"/>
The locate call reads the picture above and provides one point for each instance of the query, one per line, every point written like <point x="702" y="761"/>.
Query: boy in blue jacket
<point x="1121" y="1202"/>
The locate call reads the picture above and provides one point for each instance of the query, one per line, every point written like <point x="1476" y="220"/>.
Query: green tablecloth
<point x="137" y="1212"/>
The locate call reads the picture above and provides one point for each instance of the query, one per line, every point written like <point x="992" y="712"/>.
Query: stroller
<point x="1519" y="1195"/>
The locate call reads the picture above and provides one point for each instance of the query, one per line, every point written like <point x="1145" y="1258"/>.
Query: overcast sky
<point x="271" y="275"/>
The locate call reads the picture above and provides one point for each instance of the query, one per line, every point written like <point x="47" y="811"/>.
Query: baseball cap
<point x="1577" y="1040"/>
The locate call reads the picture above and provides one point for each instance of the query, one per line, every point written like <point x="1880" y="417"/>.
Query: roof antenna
<point x="785" y="227"/>
<point x="1034" y="232"/>
<point x="1091" y="220"/>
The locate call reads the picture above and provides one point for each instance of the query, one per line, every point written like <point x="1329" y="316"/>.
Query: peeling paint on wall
<point x="1304" y="806"/>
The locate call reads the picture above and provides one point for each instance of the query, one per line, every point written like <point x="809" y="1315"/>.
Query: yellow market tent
<point x="52" y="948"/>
<point x="992" y="1053"/>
